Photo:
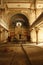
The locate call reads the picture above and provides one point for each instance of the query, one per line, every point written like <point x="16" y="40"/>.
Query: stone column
<point x="37" y="30"/>
<point x="3" y="35"/>
<point x="6" y="35"/>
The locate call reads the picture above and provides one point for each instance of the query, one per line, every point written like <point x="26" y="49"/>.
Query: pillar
<point x="6" y="35"/>
<point x="37" y="30"/>
<point x="3" y="35"/>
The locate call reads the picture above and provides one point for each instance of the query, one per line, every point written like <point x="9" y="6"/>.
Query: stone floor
<point x="17" y="54"/>
<point x="35" y="54"/>
<point x="12" y="55"/>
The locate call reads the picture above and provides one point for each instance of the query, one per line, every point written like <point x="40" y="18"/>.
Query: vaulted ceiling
<point x="26" y="3"/>
<point x="21" y="0"/>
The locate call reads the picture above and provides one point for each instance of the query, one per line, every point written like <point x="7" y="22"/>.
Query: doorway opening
<point x="20" y="28"/>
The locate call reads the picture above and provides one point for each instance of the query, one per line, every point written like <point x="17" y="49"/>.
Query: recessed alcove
<point x="20" y="25"/>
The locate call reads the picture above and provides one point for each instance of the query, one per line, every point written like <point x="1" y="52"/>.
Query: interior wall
<point x="32" y="17"/>
<point x="4" y="36"/>
<point x="38" y="12"/>
<point x="33" y="35"/>
<point x="40" y="33"/>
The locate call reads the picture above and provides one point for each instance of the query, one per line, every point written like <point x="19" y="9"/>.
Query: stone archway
<point x="20" y="27"/>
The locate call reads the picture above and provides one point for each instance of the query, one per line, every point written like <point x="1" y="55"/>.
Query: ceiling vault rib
<point x="37" y="21"/>
<point x="35" y="7"/>
<point x="31" y="4"/>
<point x="2" y="3"/>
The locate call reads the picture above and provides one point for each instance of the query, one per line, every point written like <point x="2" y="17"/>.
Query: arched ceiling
<point x="20" y="18"/>
<point x="6" y="5"/>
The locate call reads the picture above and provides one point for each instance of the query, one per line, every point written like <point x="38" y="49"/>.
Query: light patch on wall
<point x="39" y="11"/>
<point x="18" y="5"/>
<point x="39" y="5"/>
<point x="32" y="17"/>
<point x="18" y="24"/>
<point x="3" y="24"/>
<point x="40" y="35"/>
<point x="33" y="36"/>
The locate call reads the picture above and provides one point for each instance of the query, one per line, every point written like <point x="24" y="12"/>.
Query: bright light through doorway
<point x="19" y="24"/>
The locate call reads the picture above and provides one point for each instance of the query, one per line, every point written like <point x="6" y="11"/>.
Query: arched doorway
<point x="20" y="27"/>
